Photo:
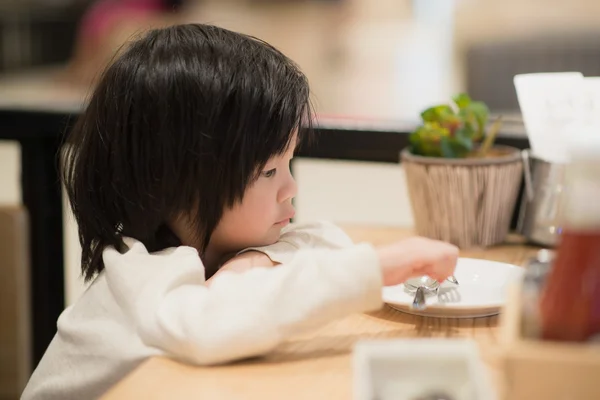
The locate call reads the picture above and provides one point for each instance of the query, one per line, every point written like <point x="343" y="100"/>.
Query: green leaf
<point x="447" y="148"/>
<point x="481" y="113"/>
<point x="462" y="100"/>
<point x="437" y="113"/>
<point x="468" y="117"/>
<point x="415" y="140"/>
<point x="463" y="138"/>
<point x="455" y="148"/>
<point x="451" y="122"/>
<point x="426" y="139"/>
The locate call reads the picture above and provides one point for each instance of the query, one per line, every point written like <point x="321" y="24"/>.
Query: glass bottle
<point x="570" y="301"/>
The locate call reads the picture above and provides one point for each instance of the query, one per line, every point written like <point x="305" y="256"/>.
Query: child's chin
<point x="272" y="237"/>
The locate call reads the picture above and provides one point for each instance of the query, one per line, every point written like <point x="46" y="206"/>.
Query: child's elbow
<point x="213" y="354"/>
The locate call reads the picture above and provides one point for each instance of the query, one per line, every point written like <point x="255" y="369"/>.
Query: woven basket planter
<point x="467" y="202"/>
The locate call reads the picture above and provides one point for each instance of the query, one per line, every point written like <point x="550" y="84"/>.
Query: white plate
<point x="482" y="291"/>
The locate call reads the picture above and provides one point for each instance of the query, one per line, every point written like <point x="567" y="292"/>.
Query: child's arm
<point x="239" y="315"/>
<point x="249" y="314"/>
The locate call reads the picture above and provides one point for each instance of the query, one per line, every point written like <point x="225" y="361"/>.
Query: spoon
<point x="422" y="285"/>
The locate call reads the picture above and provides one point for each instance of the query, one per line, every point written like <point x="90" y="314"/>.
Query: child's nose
<point x="289" y="190"/>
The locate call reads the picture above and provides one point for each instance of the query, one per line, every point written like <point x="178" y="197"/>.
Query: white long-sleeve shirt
<point x="157" y="304"/>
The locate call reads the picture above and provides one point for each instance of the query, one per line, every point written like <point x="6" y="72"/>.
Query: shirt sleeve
<point x="241" y="314"/>
<point x="314" y="235"/>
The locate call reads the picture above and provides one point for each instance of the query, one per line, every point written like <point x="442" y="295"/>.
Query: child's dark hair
<point x="184" y="119"/>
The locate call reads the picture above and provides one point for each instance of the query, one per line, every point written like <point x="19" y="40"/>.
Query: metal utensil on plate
<point x="422" y="286"/>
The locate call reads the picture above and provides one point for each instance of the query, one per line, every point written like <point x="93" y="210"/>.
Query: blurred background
<point x="368" y="61"/>
<point x="398" y="54"/>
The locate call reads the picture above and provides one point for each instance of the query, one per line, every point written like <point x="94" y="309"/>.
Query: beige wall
<point x="344" y="49"/>
<point x="10" y="170"/>
<point x="482" y="20"/>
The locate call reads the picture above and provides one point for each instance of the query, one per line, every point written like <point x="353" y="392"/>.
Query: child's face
<point x="265" y="209"/>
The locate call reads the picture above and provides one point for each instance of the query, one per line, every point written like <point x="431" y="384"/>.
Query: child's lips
<point x="286" y="221"/>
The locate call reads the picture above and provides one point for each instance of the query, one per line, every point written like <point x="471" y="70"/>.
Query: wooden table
<point x="318" y="365"/>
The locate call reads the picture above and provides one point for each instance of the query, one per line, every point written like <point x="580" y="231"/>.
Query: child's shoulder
<point x="136" y="256"/>
<point x="318" y="233"/>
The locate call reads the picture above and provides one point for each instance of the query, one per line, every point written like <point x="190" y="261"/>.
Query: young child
<point x="178" y="171"/>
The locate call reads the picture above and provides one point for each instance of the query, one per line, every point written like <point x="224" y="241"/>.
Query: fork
<point x="452" y="279"/>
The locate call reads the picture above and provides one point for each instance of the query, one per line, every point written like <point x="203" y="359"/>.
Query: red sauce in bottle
<point x="570" y="304"/>
<point x="570" y="301"/>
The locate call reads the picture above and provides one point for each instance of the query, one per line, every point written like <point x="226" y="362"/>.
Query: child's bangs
<point x="289" y="125"/>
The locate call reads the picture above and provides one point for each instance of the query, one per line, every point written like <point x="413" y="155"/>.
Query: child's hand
<point x="416" y="257"/>
<point x="244" y="262"/>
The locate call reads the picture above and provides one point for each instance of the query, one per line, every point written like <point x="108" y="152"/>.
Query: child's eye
<point x="270" y="173"/>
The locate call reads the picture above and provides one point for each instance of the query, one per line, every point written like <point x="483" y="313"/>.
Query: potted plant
<point x="462" y="187"/>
